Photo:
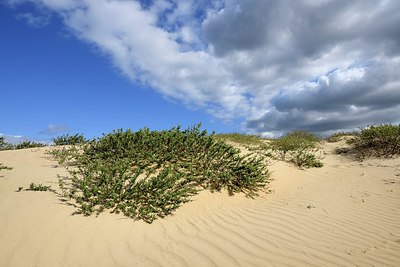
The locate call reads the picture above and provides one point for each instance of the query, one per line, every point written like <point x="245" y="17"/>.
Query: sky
<point x="253" y="66"/>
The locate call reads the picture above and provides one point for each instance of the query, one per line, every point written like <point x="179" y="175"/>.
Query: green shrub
<point x="28" y="144"/>
<point x="4" y="145"/>
<point x="298" y="147"/>
<point x="243" y="139"/>
<point x="377" y="141"/>
<point x="149" y="174"/>
<point x="37" y="187"/>
<point x="67" y="139"/>
<point x="336" y="137"/>
<point x="4" y="167"/>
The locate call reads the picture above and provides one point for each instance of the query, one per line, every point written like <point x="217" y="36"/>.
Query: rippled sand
<point x="344" y="214"/>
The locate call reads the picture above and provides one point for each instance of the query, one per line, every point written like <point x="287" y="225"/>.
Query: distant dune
<point x="346" y="213"/>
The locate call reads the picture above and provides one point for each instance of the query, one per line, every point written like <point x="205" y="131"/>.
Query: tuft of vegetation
<point x="243" y="139"/>
<point x="36" y="187"/>
<point x="336" y="137"/>
<point x="149" y="174"/>
<point x="28" y="144"/>
<point x="4" y="145"/>
<point x="377" y="141"/>
<point x="4" y="167"/>
<point x="67" y="139"/>
<point x="298" y="147"/>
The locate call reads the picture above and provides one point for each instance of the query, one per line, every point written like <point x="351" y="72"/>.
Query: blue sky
<point x="260" y="66"/>
<point x="52" y="83"/>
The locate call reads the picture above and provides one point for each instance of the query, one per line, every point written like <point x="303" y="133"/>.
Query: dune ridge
<point x="344" y="214"/>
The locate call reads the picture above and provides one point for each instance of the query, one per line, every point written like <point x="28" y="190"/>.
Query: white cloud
<point x="33" y="20"/>
<point x="53" y="129"/>
<point x="278" y="65"/>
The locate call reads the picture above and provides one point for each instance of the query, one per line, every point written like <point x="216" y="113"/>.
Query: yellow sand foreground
<point x="344" y="214"/>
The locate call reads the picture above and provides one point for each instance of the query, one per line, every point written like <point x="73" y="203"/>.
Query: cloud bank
<point x="277" y="65"/>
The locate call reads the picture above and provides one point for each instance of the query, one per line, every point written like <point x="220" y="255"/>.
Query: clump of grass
<point x="377" y="141"/>
<point x="67" y="139"/>
<point x="298" y="147"/>
<point x="28" y="144"/>
<point x="37" y="187"/>
<point x="336" y="137"/>
<point x="243" y="139"/>
<point x="4" y="167"/>
<point x="149" y="174"/>
<point x="4" y="145"/>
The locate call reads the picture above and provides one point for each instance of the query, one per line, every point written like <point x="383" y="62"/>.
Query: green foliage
<point x="4" y="145"/>
<point x="4" y="167"/>
<point x="244" y="139"/>
<point x="298" y="147"/>
<point x="149" y="174"/>
<point x="28" y="144"/>
<point x="336" y="137"/>
<point x="64" y="155"/>
<point x="37" y="187"/>
<point x="307" y="160"/>
<point x="67" y="139"/>
<point x="377" y="141"/>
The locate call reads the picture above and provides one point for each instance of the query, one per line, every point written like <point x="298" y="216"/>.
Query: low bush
<point x="149" y="174"/>
<point x="67" y="139"/>
<point x="4" y="145"/>
<point x="243" y="139"/>
<point x="28" y="144"/>
<point x="4" y="167"/>
<point x="377" y="141"/>
<point x="37" y="187"/>
<point x="298" y="147"/>
<point x="336" y="137"/>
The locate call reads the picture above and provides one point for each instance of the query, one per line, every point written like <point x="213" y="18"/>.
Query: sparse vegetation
<point x="67" y="139"/>
<point x="28" y="144"/>
<point x="336" y="137"/>
<point x="377" y="141"/>
<point x="4" y="145"/>
<point x="4" y="167"/>
<point x="298" y="147"/>
<point x="149" y="174"/>
<point x="37" y="187"/>
<point x="25" y="144"/>
<point x="243" y="139"/>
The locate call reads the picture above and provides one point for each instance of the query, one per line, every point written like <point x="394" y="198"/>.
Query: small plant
<point x="4" y="167"/>
<point x="28" y="144"/>
<point x="67" y="139"/>
<point x="298" y="147"/>
<point x="336" y="137"/>
<point x="37" y="187"/>
<point x="4" y="145"/>
<point x="377" y="141"/>
<point x="243" y="139"/>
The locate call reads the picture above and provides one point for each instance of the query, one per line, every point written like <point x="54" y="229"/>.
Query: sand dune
<point x="344" y="214"/>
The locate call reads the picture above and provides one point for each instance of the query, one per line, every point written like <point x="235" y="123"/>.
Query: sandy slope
<point x="344" y="214"/>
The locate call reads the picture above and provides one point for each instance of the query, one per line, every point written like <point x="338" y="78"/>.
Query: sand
<point x="344" y="214"/>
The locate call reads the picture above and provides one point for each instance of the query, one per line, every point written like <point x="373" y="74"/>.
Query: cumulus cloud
<point x="278" y="65"/>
